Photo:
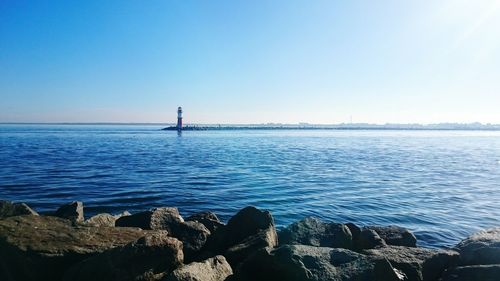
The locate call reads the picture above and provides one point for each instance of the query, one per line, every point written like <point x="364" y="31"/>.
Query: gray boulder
<point x="262" y="239"/>
<point x="246" y="232"/>
<point x="156" y="219"/>
<point x="247" y="222"/>
<point x="42" y="247"/>
<point x="104" y="219"/>
<point x="482" y="247"/>
<point x="473" y="273"/>
<point x="305" y="263"/>
<point x="148" y="258"/>
<point x="212" y="269"/>
<point x="395" y="235"/>
<point x="369" y="239"/>
<point x="123" y="214"/>
<point x="72" y="211"/>
<point x="313" y="232"/>
<point x="418" y="264"/>
<point x="193" y="235"/>
<point x="208" y="219"/>
<point x="355" y="230"/>
<point x="10" y="209"/>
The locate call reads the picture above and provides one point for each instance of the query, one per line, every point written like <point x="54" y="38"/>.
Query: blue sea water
<point x="443" y="185"/>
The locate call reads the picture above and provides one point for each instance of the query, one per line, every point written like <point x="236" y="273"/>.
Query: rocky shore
<point x="159" y="244"/>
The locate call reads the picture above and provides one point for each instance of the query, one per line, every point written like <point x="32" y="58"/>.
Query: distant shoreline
<point x="229" y="127"/>
<point x="244" y="128"/>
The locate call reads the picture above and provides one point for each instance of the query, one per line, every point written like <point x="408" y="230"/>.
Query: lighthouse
<point x="179" y="118"/>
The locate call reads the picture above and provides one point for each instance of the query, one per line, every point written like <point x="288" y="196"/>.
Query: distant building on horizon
<point x="179" y="118"/>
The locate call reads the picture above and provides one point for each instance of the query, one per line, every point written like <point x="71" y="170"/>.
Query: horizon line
<point x="255" y="124"/>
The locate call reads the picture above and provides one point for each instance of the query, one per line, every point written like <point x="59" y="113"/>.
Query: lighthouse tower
<point x="179" y="118"/>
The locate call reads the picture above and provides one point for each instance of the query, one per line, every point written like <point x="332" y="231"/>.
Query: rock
<point x="247" y="222"/>
<point x="482" y="247"/>
<point x="10" y="209"/>
<point x="208" y="219"/>
<point x="158" y="219"/>
<point x="72" y="211"/>
<point x="123" y="214"/>
<point x="473" y="273"/>
<point x="212" y="269"/>
<point x="193" y="235"/>
<point x="262" y="239"/>
<point x="104" y="219"/>
<point x="164" y="218"/>
<point x="247" y="231"/>
<point x="418" y="264"/>
<point x="395" y="235"/>
<point x="313" y="232"/>
<point x="42" y="247"/>
<point x="369" y="239"/>
<point x="304" y="263"/>
<point x="203" y="216"/>
<point x="145" y="259"/>
<point x="355" y="230"/>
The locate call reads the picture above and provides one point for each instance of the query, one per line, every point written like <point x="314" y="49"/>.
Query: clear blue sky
<point x="250" y="61"/>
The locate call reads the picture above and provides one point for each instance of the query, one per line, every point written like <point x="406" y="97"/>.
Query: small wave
<point x="437" y="186"/>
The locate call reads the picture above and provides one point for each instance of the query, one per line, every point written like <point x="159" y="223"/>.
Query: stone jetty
<point x="159" y="244"/>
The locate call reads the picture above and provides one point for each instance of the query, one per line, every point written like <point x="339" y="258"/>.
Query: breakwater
<point x="410" y="127"/>
<point x="159" y="244"/>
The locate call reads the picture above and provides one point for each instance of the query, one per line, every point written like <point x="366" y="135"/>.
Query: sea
<point x="442" y="185"/>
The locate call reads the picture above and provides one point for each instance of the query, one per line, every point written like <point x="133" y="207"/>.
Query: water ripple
<point x="441" y="184"/>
